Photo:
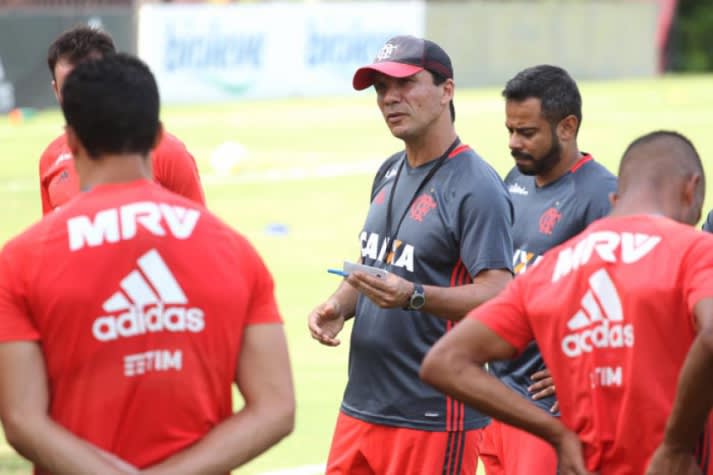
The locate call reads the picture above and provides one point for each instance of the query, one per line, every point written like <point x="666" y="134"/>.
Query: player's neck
<point x="569" y="160"/>
<point x="635" y="202"/>
<point x="429" y="146"/>
<point x="113" y="169"/>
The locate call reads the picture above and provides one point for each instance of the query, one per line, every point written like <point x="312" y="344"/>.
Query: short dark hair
<point x="665" y="142"/>
<point x="553" y="86"/>
<point x="78" y="44"/>
<point x="655" y="158"/>
<point x="669" y="136"/>
<point x="112" y="104"/>
<point x="439" y="79"/>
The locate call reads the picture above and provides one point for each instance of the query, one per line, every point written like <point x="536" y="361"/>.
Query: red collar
<point x="585" y="158"/>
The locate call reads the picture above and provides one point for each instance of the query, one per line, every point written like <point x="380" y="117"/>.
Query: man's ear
<point x="613" y="198"/>
<point x="690" y="188"/>
<point x="567" y="128"/>
<point x="56" y="91"/>
<point x="448" y="91"/>
<point x="692" y="196"/>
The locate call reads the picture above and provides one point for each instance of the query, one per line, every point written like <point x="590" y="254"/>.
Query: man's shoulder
<point x="387" y="169"/>
<point x="593" y="176"/>
<point x="471" y="173"/>
<point x="56" y="150"/>
<point x="514" y="174"/>
<point x="684" y="235"/>
<point x="26" y="241"/>
<point x="392" y="160"/>
<point x="467" y="157"/>
<point x="170" y="149"/>
<point x="58" y="143"/>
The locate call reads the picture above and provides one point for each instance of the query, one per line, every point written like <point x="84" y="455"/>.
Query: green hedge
<point x="692" y="37"/>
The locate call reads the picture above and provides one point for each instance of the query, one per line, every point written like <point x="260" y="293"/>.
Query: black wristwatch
<point x="417" y="299"/>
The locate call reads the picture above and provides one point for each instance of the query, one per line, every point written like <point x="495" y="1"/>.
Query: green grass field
<point x="302" y="141"/>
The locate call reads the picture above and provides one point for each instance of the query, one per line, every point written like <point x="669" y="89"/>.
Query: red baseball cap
<point x="404" y="56"/>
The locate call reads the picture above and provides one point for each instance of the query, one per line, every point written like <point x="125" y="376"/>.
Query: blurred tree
<point x="691" y="41"/>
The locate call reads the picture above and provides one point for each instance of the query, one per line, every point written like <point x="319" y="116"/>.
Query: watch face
<point x="417" y="301"/>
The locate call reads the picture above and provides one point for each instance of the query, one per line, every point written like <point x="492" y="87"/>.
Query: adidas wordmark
<point x="599" y="323"/>
<point x="150" y="300"/>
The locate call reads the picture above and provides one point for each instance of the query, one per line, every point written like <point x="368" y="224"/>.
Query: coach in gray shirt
<point x="439" y="222"/>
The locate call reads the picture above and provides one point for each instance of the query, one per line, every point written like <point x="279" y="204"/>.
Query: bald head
<point x="665" y="165"/>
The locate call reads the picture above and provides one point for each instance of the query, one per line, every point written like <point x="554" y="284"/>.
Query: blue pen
<point x="338" y="272"/>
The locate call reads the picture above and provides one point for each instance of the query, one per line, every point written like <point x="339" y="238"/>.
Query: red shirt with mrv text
<point x="612" y="313"/>
<point x="139" y="299"/>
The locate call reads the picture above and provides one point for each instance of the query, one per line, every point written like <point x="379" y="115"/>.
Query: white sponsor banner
<point x="7" y="92"/>
<point x="205" y="53"/>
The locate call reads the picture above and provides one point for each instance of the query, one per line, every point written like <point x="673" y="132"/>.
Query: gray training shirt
<point x="544" y="218"/>
<point x="457" y="226"/>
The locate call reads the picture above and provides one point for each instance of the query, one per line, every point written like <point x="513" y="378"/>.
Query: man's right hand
<point x="325" y="322"/>
<point x="667" y="460"/>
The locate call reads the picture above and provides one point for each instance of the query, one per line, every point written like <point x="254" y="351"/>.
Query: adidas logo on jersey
<point x="150" y="300"/>
<point x="391" y="173"/>
<point x="600" y="322"/>
<point x="63" y="157"/>
<point x="517" y="189"/>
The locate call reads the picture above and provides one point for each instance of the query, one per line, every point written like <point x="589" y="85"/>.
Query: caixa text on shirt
<point x="399" y="254"/>
<point x="115" y="224"/>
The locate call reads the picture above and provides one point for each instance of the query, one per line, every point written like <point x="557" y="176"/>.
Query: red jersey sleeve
<point x="263" y="306"/>
<point x="175" y="169"/>
<point x="506" y="315"/>
<point x="697" y="271"/>
<point x="15" y="321"/>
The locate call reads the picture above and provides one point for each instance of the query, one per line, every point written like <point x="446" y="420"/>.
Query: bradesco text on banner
<point x="205" y="53"/>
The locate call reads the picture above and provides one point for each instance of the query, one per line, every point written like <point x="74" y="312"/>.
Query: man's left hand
<point x="543" y="387"/>
<point x="390" y="291"/>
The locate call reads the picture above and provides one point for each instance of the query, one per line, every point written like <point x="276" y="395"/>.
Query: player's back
<point x="610" y="311"/>
<point x="140" y="298"/>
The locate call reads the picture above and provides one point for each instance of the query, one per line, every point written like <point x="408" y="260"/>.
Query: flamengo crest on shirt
<point x="631" y="246"/>
<point x="115" y="224"/>
<point x="150" y="300"/>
